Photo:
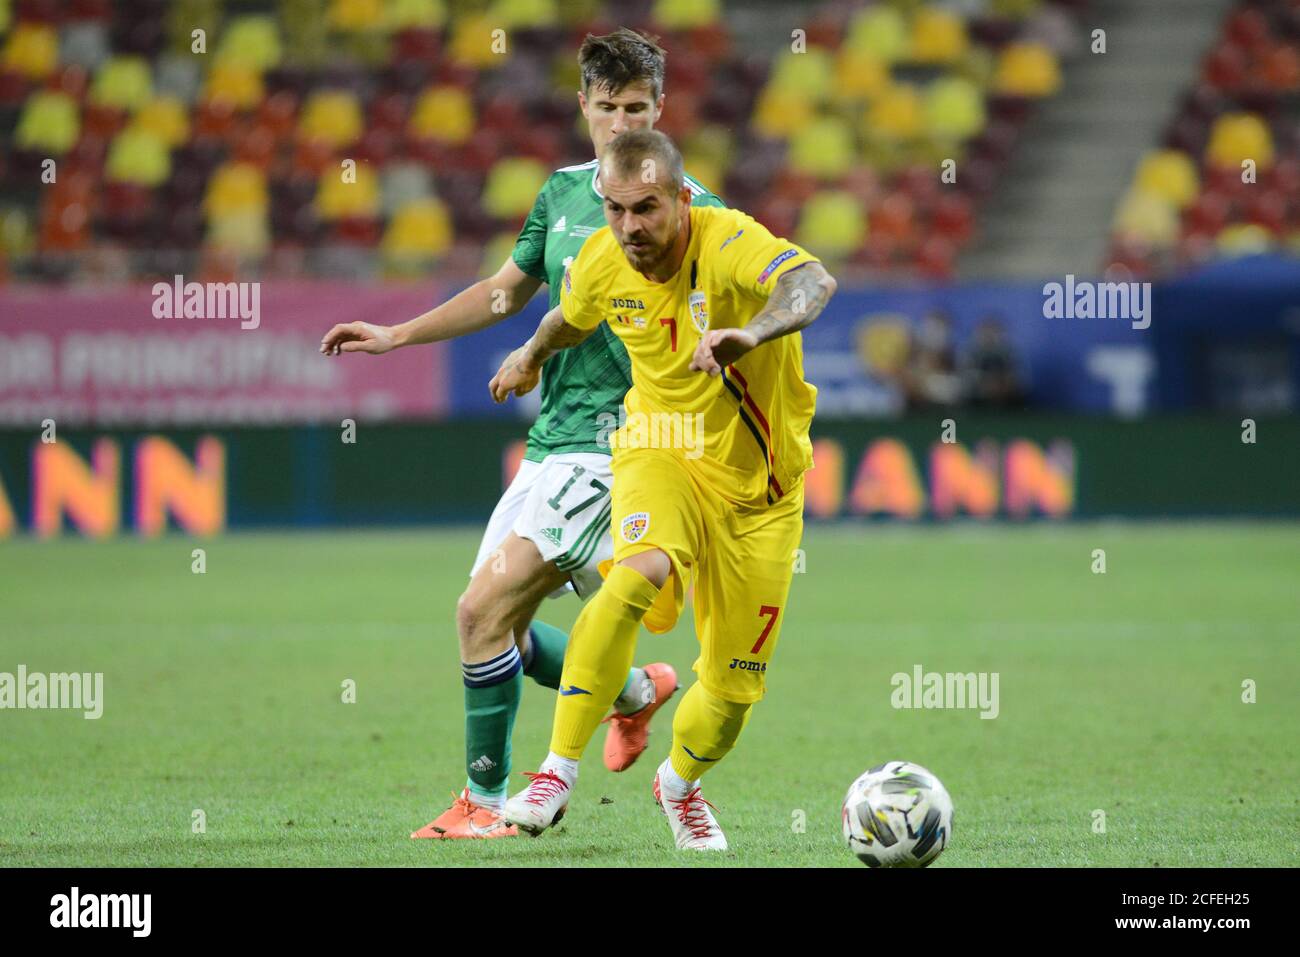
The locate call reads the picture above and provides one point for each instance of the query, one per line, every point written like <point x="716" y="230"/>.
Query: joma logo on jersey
<point x="742" y="664"/>
<point x="626" y="303"/>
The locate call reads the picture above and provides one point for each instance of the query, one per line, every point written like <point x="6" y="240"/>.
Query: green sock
<point x="492" y="692"/>
<point x="544" y="659"/>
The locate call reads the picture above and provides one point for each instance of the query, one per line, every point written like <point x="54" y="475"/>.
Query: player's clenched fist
<point x="518" y="374"/>
<point x="719" y="348"/>
<point x="357" y="337"/>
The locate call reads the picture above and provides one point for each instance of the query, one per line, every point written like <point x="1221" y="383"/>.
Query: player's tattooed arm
<point x="799" y="298"/>
<point x="522" y="369"/>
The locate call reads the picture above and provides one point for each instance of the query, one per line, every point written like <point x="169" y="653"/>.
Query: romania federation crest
<point x="634" y="527"/>
<point x="699" y="311"/>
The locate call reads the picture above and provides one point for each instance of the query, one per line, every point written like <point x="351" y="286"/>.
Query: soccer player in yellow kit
<point x="708" y="465"/>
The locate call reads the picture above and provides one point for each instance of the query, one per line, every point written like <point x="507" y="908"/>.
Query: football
<point x="897" y="814"/>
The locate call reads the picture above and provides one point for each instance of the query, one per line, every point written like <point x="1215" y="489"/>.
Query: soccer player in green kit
<point x="551" y="529"/>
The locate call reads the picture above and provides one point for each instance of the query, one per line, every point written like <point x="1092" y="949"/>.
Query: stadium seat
<point x="1240" y="136"/>
<point x="1147" y="217"/>
<point x="85" y="44"/>
<point x="825" y="148"/>
<point x="49" y="123"/>
<point x="123" y="82"/>
<point x="419" y="232"/>
<point x="414" y="14"/>
<point x="234" y="82"/>
<point x="881" y="31"/>
<point x="1027" y="70"/>
<point x="252" y="41"/>
<point x="831" y="225"/>
<point x="245" y="233"/>
<point x="859" y="75"/>
<point x="511" y="187"/>
<point x="31" y="50"/>
<point x="897" y="114"/>
<point x="1170" y="174"/>
<point x="337" y="199"/>
<point x="954" y="110"/>
<point x="331" y="116"/>
<point x="938" y="36"/>
<point x="355" y="15"/>
<point x="235" y="188"/>
<point x="443" y="113"/>
<point x="138" y="156"/>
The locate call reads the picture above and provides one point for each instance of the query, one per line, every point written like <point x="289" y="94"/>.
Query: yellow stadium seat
<point x="1147" y="217"/>
<point x="124" y="83"/>
<point x="859" y="74"/>
<point x="253" y="41"/>
<point x="166" y="118"/>
<point x="420" y="230"/>
<point x="781" y="113"/>
<point x="511" y="187"/>
<point x="339" y="199"/>
<point x="1244" y="239"/>
<point x="356" y="15"/>
<point x="523" y="14"/>
<point x="476" y="40"/>
<point x="32" y="50"/>
<point x="896" y="114"/>
<point x="414" y="14"/>
<point x="881" y="31"/>
<point x="497" y="251"/>
<point x="954" y="109"/>
<point x="235" y="83"/>
<point x="811" y="73"/>
<point x="6" y="15"/>
<point x="686" y="14"/>
<point x="1027" y="69"/>
<point x="938" y="36"/>
<point x="1240" y="136"/>
<point x="235" y="188"/>
<point x="332" y="116"/>
<point x="49" y="123"/>
<point x="825" y="148"/>
<point x="832" y="224"/>
<point x="138" y="156"/>
<point x="444" y="113"/>
<point x="245" y="233"/>
<point x="705" y="169"/>
<point x="1170" y="174"/>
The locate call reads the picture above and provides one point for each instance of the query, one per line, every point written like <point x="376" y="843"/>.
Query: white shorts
<point x="560" y="504"/>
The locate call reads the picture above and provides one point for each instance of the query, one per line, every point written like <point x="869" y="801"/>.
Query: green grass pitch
<point x="1119" y="692"/>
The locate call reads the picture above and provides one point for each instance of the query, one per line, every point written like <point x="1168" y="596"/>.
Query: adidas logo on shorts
<point x="553" y="535"/>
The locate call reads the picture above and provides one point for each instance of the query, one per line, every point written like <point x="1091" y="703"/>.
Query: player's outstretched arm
<point x="799" y="297"/>
<point x="522" y="369"/>
<point x="481" y="305"/>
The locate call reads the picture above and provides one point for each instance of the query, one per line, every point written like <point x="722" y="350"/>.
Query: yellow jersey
<point x="744" y="433"/>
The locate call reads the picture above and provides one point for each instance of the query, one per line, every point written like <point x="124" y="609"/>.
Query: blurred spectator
<point x="990" y="373"/>
<point x="930" y="378"/>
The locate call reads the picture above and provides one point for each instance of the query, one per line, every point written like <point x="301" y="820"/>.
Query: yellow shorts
<point x="740" y="559"/>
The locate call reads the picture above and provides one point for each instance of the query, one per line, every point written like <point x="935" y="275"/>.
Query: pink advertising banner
<point x="178" y="353"/>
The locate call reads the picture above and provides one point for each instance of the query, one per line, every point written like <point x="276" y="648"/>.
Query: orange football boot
<point x="629" y="733"/>
<point x="465" y="819"/>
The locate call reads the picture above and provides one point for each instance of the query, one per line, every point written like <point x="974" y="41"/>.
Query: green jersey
<point x="580" y="384"/>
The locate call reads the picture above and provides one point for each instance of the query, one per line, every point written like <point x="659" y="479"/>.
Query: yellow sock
<point x="598" y="656"/>
<point x="705" y="728"/>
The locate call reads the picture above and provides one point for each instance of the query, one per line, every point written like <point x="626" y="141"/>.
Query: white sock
<point x="566" y="768"/>
<point x="640" y="692"/>
<point x="673" y="784"/>
<point x="493" y="802"/>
